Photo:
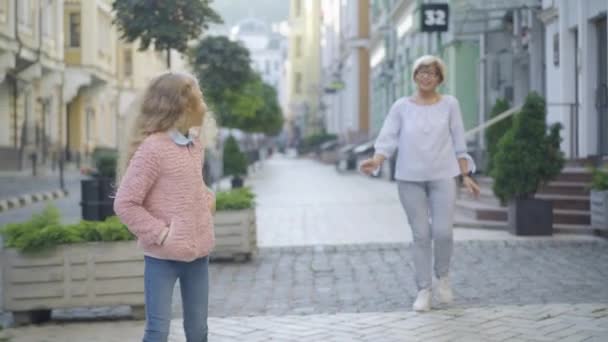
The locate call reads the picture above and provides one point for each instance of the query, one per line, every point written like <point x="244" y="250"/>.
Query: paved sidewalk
<point x="336" y="262"/>
<point x="555" y="323"/>
<point x="301" y="202"/>
<point x="12" y="185"/>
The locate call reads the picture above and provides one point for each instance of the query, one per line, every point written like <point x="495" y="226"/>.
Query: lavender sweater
<point x="429" y="138"/>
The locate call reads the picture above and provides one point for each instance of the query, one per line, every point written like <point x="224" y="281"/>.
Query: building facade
<point x="576" y="59"/>
<point x="304" y="69"/>
<point x="65" y="83"/>
<point x="265" y="47"/>
<point x="492" y="50"/>
<point x="345" y="44"/>
<point x="31" y="70"/>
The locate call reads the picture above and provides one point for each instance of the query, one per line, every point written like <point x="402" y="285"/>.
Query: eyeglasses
<point x="427" y="74"/>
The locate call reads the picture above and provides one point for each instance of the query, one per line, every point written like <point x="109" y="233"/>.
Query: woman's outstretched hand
<point x="471" y="186"/>
<point x="368" y="166"/>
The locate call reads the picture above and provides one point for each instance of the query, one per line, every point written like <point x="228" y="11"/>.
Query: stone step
<point x="565" y="188"/>
<point x="579" y="175"/>
<point x="568" y="202"/>
<point x="483" y="211"/>
<point x="462" y="221"/>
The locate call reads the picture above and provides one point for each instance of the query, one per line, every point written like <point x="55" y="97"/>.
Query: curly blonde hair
<point x="171" y="100"/>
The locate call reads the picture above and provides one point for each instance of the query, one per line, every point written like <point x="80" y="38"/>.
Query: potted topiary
<point x="235" y="225"/>
<point x="528" y="156"/>
<point x="235" y="162"/>
<point x="47" y="265"/>
<point x="599" y="199"/>
<point x="496" y="131"/>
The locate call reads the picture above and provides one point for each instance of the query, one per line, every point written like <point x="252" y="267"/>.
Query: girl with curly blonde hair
<point x="164" y="202"/>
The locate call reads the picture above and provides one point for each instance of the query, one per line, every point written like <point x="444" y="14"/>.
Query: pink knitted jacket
<point x="162" y="192"/>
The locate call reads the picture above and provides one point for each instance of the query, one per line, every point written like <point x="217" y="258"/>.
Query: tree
<point x="165" y="24"/>
<point x="223" y="70"/>
<point x="528" y="155"/>
<point x="497" y="131"/>
<point x="267" y="117"/>
<point x="235" y="161"/>
<point x="234" y="91"/>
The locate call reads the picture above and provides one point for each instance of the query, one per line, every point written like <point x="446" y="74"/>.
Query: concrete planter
<point x="599" y="209"/>
<point x="235" y="234"/>
<point x="72" y="276"/>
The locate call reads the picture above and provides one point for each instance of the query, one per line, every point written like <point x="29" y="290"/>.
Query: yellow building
<point x="304" y="67"/>
<point x="90" y="76"/>
<point x="31" y="69"/>
<point x="102" y="77"/>
<point x="135" y="70"/>
<point x="66" y="80"/>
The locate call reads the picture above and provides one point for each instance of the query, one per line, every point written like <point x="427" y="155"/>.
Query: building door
<point x="601" y="94"/>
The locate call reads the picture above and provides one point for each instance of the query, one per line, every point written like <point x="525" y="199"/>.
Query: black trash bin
<point x="97" y="200"/>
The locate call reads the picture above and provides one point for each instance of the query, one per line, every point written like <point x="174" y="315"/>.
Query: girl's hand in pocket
<point x="212" y="206"/>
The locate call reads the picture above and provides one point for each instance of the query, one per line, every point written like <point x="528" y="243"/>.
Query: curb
<point x="25" y="200"/>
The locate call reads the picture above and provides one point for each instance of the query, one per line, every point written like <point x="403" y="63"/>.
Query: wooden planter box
<point x="72" y="276"/>
<point x="599" y="209"/>
<point x="235" y="234"/>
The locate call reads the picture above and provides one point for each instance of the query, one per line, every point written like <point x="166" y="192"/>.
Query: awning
<point x="365" y="147"/>
<point x="329" y="145"/>
<point x="346" y="148"/>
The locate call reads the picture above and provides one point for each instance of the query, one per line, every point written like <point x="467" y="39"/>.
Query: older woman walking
<point x="427" y="130"/>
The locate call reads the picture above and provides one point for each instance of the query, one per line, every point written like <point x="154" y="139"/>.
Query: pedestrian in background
<point x="164" y="202"/>
<point x="428" y="133"/>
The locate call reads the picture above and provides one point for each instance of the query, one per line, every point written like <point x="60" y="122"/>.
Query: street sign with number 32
<point x="435" y="17"/>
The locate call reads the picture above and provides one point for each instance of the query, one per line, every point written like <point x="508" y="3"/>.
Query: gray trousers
<point x="429" y="207"/>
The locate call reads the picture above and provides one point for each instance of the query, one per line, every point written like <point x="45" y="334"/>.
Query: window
<point x="298" y="83"/>
<point x="298" y="46"/>
<point x="23" y="8"/>
<point x="298" y="9"/>
<point x="103" y="32"/>
<point x="74" y="29"/>
<point x="128" y="63"/>
<point x="47" y="18"/>
<point x="3" y="10"/>
<point x="267" y="66"/>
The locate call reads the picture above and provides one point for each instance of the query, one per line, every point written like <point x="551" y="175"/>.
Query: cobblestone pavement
<point x="335" y="245"/>
<point x="369" y="278"/>
<point x="555" y="322"/>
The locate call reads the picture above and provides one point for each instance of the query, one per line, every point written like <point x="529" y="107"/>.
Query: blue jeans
<point x="159" y="281"/>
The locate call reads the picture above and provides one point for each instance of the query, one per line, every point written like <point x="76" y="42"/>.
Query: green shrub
<point x="497" y="131"/>
<point x="599" y="179"/>
<point x="106" y="166"/>
<point x="44" y="231"/>
<point x="236" y="199"/>
<point x="235" y="161"/>
<point x="105" y="161"/>
<point x="527" y="156"/>
<point x="14" y="233"/>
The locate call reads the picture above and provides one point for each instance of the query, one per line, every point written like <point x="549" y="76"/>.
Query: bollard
<point x="34" y="158"/>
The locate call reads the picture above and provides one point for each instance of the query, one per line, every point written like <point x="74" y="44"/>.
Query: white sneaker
<point x="423" y="301"/>
<point x="445" y="291"/>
